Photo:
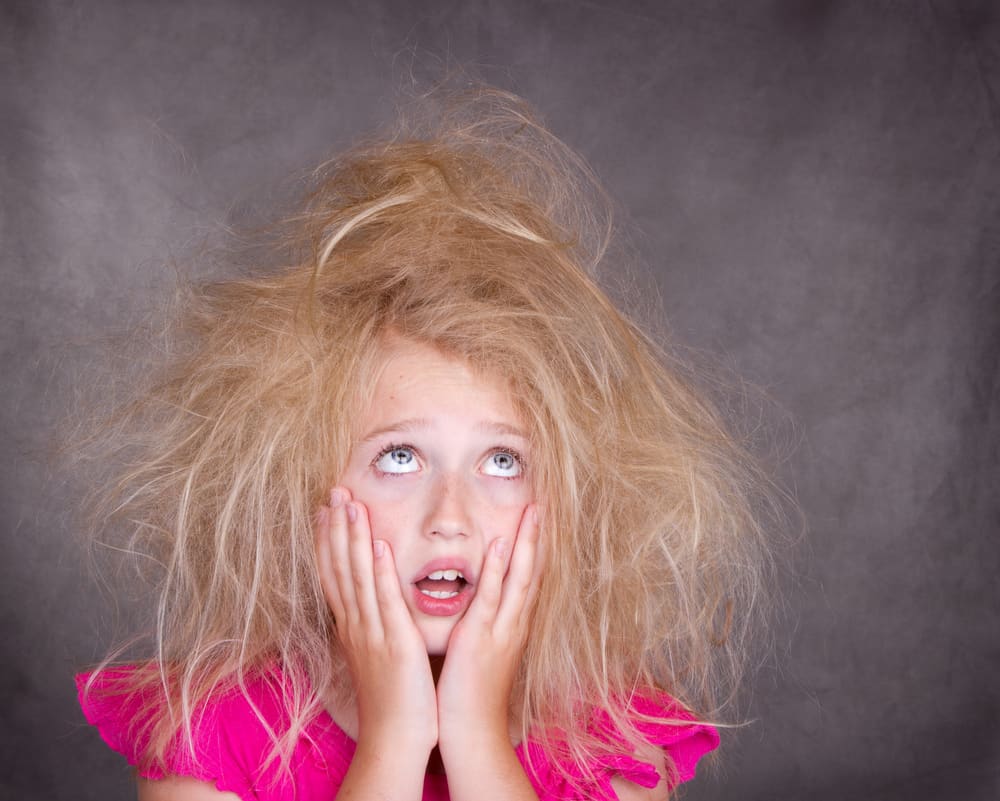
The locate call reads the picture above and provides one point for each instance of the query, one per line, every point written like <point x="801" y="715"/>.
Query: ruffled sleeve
<point x="684" y="743"/>
<point x="231" y="737"/>
<point x="117" y="718"/>
<point x="123" y="721"/>
<point x="683" y="739"/>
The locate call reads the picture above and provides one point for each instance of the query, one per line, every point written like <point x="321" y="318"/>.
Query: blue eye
<point x="505" y="464"/>
<point x="397" y="459"/>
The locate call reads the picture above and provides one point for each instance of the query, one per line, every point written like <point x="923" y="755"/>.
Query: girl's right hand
<point x="387" y="657"/>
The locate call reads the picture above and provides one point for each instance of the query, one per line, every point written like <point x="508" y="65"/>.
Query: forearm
<point x="384" y="772"/>
<point x="486" y="768"/>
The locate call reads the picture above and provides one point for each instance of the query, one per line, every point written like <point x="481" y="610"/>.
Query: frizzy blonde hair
<point x="482" y="235"/>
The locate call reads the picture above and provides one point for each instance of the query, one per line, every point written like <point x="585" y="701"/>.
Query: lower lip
<point x="443" y="607"/>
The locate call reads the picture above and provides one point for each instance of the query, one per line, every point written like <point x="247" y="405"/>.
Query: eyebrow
<point x="416" y="423"/>
<point x="490" y="427"/>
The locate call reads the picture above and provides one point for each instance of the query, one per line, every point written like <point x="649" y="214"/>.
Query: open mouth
<point x="442" y="584"/>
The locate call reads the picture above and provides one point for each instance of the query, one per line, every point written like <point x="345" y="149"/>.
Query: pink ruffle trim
<point x="232" y="744"/>
<point x="231" y="741"/>
<point x="683" y="739"/>
<point x="120" y="720"/>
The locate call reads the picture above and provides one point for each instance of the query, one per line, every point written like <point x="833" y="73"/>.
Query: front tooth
<point x="439" y="593"/>
<point x="448" y="575"/>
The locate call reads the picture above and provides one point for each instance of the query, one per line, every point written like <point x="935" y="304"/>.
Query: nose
<point x="449" y="512"/>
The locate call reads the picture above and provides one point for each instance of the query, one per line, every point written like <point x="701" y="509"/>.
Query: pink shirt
<point x="232" y="744"/>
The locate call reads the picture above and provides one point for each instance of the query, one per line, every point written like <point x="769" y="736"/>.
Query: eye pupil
<point x="504" y="464"/>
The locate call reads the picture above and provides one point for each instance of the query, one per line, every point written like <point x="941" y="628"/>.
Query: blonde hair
<point x="482" y="235"/>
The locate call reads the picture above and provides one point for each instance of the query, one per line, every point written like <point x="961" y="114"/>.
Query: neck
<point x="437" y="662"/>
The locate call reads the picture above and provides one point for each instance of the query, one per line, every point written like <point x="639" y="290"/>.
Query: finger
<point x="521" y="583"/>
<point x="362" y="573"/>
<point x="483" y="609"/>
<point x="396" y="617"/>
<point x="340" y="556"/>
<point x="324" y="563"/>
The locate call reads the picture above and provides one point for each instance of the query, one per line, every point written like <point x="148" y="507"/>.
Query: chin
<point x="436" y="639"/>
<point x="436" y="646"/>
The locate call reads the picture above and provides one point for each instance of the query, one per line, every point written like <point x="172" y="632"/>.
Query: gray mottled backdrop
<point x="816" y="187"/>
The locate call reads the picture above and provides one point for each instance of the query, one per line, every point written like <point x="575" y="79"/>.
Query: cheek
<point x="505" y="503"/>
<point x="507" y="493"/>
<point x="383" y="498"/>
<point x="389" y="508"/>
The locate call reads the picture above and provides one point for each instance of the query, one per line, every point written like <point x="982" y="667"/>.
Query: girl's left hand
<point x="484" y="650"/>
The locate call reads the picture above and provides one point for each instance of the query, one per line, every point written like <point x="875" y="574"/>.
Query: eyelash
<point x="403" y="446"/>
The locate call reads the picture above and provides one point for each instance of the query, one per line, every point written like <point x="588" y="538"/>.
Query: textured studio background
<point x="815" y="187"/>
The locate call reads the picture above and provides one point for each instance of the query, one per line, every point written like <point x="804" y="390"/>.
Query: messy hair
<point x="480" y="234"/>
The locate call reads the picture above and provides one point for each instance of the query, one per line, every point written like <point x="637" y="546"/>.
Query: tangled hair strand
<point x="476" y="231"/>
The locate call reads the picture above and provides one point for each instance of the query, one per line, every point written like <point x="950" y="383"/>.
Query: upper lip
<point x="447" y="563"/>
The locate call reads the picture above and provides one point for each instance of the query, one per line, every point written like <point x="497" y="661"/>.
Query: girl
<point x="434" y="518"/>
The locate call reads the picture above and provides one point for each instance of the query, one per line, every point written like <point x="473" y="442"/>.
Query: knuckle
<point x="341" y="573"/>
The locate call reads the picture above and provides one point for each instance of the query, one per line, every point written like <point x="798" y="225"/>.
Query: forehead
<point x="418" y="381"/>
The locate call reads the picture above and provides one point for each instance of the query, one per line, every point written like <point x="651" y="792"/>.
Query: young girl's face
<point x="440" y="464"/>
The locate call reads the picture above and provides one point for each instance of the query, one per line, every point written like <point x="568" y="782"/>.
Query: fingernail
<point x="352" y="512"/>
<point x="378" y="548"/>
<point x="500" y="548"/>
<point x="336" y="498"/>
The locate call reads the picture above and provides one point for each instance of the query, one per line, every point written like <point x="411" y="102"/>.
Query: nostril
<point x="438" y="533"/>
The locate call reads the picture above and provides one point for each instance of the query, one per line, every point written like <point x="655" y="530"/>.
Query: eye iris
<point x="401" y="456"/>
<point x="504" y="461"/>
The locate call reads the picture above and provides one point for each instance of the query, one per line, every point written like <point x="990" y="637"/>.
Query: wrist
<point x="407" y="741"/>
<point x="383" y="770"/>
<point x="485" y="769"/>
<point x="472" y="734"/>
